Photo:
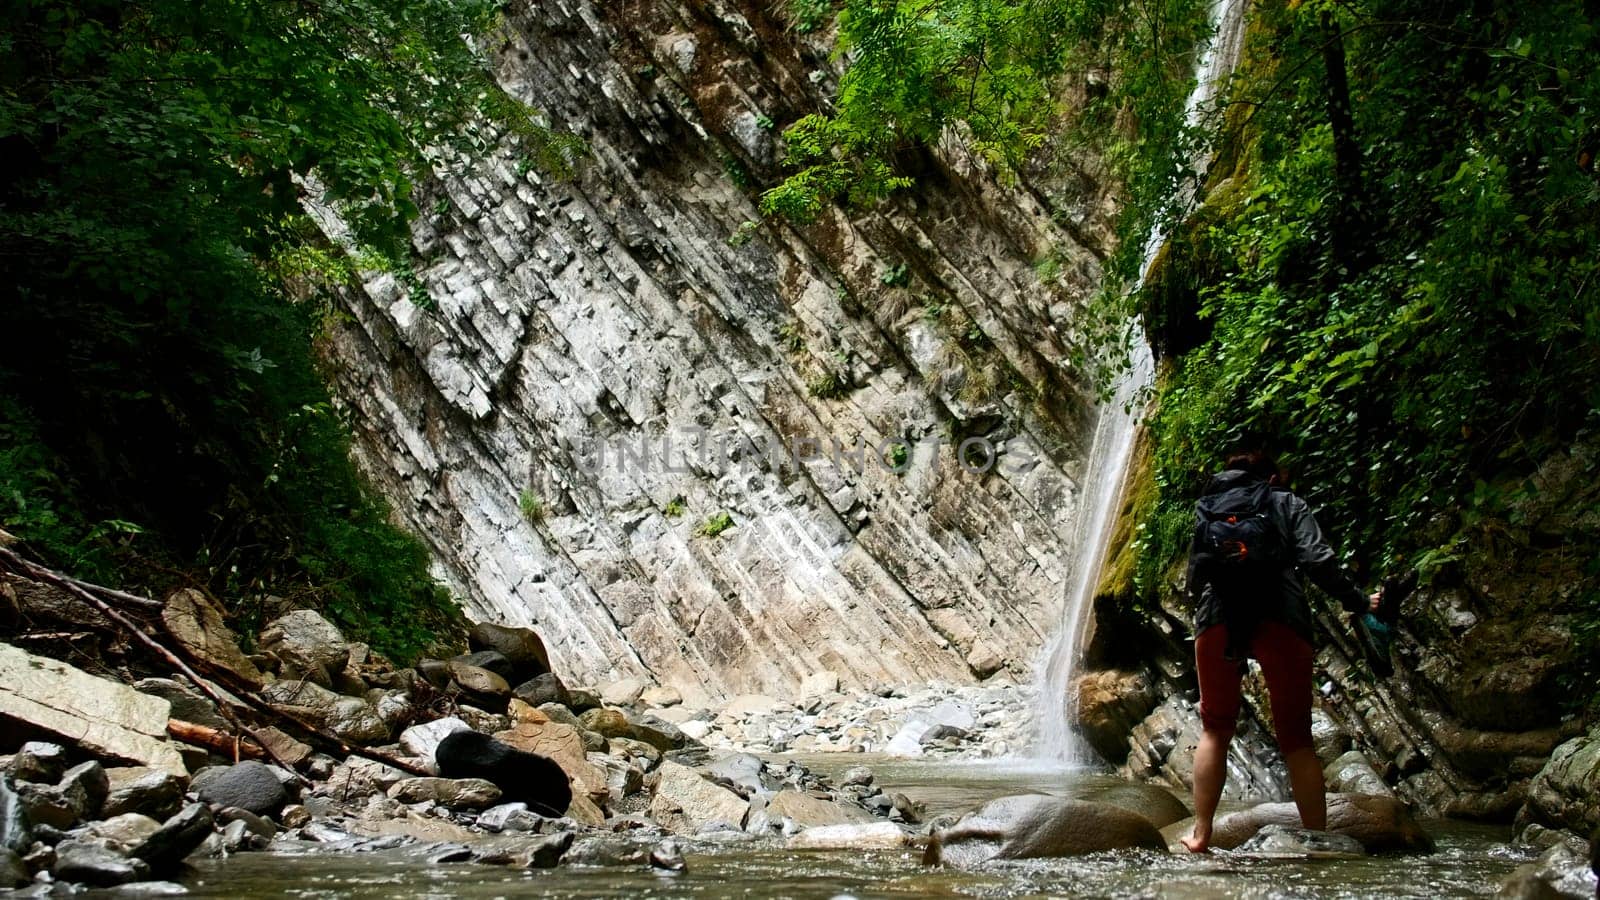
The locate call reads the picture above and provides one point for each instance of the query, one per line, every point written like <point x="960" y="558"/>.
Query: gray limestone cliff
<point x="610" y="364"/>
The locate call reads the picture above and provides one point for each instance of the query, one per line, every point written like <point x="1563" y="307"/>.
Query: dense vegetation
<point x="161" y="418"/>
<point x="1391" y="279"/>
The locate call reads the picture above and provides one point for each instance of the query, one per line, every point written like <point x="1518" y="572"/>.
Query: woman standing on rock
<point x="1254" y="544"/>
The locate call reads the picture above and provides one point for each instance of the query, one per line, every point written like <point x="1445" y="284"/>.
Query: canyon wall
<point x="594" y="387"/>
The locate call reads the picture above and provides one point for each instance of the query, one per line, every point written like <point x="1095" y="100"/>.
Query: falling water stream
<point x="1118" y="422"/>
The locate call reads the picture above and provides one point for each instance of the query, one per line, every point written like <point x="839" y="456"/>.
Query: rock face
<point x="621" y="347"/>
<point x="1566" y="792"/>
<point x="1034" y="825"/>
<point x="99" y="716"/>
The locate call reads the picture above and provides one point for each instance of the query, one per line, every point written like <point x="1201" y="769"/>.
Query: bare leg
<point x="1305" y="777"/>
<point x="1210" y="771"/>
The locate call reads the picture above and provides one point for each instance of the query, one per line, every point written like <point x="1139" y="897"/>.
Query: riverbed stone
<point x="563" y="744"/>
<point x="1028" y="826"/>
<point x="489" y="660"/>
<point x="660" y="696"/>
<point x="198" y="624"/>
<point x="96" y="866"/>
<point x="121" y="833"/>
<point x="41" y="762"/>
<point x="744" y="773"/>
<point x="13" y="871"/>
<point x="1350" y="773"/>
<point x="98" y="716"/>
<point x="180" y="835"/>
<point x="422" y="740"/>
<point x="248" y="785"/>
<point x="351" y="718"/>
<point x="16" y="831"/>
<point x="1287" y="841"/>
<point x="154" y="792"/>
<point x="520" y="645"/>
<point x="873" y="836"/>
<point x="463" y="793"/>
<point x="542" y="690"/>
<point x="1380" y="824"/>
<point x="1566" y="791"/>
<point x="1155" y="803"/>
<point x="623" y="692"/>
<point x="684" y="801"/>
<point x="807" y="811"/>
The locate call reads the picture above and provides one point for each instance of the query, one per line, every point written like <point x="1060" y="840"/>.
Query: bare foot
<point x="1196" y="844"/>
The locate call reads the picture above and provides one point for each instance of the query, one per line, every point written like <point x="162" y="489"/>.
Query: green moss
<point x="715" y="525"/>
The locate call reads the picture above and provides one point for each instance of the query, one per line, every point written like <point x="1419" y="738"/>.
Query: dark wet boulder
<point x="542" y="689"/>
<point x="1280" y="841"/>
<point x="179" y="836"/>
<point x="96" y="866"/>
<point x="141" y="789"/>
<point x="248" y="785"/>
<point x="13" y="871"/>
<point x="493" y="660"/>
<point x="1034" y="825"/>
<point x="521" y="776"/>
<point x="40" y="762"/>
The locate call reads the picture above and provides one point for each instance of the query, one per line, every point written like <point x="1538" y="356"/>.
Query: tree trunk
<point x="1349" y="214"/>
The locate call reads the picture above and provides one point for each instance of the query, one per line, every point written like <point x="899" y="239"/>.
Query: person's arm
<point x="1317" y="559"/>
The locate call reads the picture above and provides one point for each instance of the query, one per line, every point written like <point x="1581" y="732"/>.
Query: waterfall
<point x="1117" y="424"/>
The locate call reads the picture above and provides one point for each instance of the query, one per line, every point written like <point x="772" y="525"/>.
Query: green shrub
<point x="715" y="525"/>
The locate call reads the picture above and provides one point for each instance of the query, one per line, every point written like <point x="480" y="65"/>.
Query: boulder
<point x="522" y="775"/>
<point x="248" y="785"/>
<point x="196" y="623"/>
<point x="351" y="718"/>
<point x="179" y="836"/>
<point x="543" y="689"/>
<point x="121" y="833"/>
<point x="807" y="811"/>
<point x="1566" y="791"/>
<point x="684" y="801"/>
<point x="40" y="762"/>
<point x="481" y="686"/>
<point x="521" y="646"/>
<point x="623" y="692"/>
<point x="744" y="773"/>
<point x="1109" y="704"/>
<point x="422" y="741"/>
<point x="288" y="748"/>
<point x="563" y="744"/>
<point x="1283" y="841"/>
<point x="1330" y="739"/>
<point x="461" y="793"/>
<point x="876" y="836"/>
<point x="908" y="740"/>
<point x="16" y="831"/>
<point x="77" y="798"/>
<point x="819" y="684"/>
<point x="747" y="705"/>
<point x="492" y="660"/>
<point x="83" y="863"/>
<point x="1028" y="826"/>
<point x="188" y="704"/>
<point x="1563" y="870"/>
<point x="141" y="789"/>
<point x="581" y="700"/>
<point x="1155" y="803"/>
<point x="1381" y="824"/>
<point x="13" y="872"/>
<point x="356" y="778"/>
<point x="101" y="717"/>
<point x="660" y="696"/>
<point x="305" y="642"/>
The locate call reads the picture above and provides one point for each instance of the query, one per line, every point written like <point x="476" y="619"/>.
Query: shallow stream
<point x="1471" y="861"/>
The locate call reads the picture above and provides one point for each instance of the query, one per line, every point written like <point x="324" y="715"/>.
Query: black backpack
<point x="1243" y="551"/>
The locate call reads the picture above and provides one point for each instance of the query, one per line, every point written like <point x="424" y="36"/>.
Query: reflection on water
<point x="1471" y="862"/>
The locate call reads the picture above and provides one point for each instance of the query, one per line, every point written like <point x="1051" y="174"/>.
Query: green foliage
<point x="987" y="67"/>
<point x="828" y="385"/>
<point x="531" y="506"/>
<point x="747" y="231"/>
<point x="898" y="275"/>
<point x="675" y="507"/>
<point x="715" y="525"/>
<point x="810" y="15"/>
<point x="897" y="457"/>
<point x="1460" y="348"/>
<point x="158" y="372"/>
<point x="792" y="336"/>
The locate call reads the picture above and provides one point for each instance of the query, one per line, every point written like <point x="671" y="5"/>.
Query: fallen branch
<point x="212" y="739"/>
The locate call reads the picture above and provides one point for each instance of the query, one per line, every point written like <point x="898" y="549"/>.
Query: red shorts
<point x="1285" y="659"/>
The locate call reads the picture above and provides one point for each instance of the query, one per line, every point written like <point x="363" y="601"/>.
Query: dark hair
<point x="1256" y="462"/>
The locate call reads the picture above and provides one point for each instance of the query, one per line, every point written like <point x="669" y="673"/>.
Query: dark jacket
<point x="1311" y="557"/>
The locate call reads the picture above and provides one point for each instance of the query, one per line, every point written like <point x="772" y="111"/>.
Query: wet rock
<point x="1109" y="704"/>
<point x="668" y="856"/>
<point x="608" y="850"/>
<point x="624" y="692"/>
<point x="1287" y="841"/>
<point x="121" y="833"/>
<point x="489" y="660"/>
<point x="1566" y="791"/>
<point x="908" y="740"/>
<point x="520" y="645"/>
<point x="294" y="816"/>
<point x="463" y="793"/>
<point x="188" y="704"/>
<point x="684" y="802"/>
<point x="79" y="797"/>
<point x="807" y="811"/>
<point x="422" y="741"/>
<point x="742" y="772"/>
<point x="149" y="889"/>
<point x="237" y="836"/>
<point x="96" y="866"/>
<point x="105" y="718"/>
<point x="521" y="775"/>
<point x="1033" y="825"/>
<point x="510" y="817"/>
<point x="306" y="643"/>
<point x="1381" y="824"/>
<point x="248" y="785"/>
<point x="1153" y="802"/>
<point x="909" y="810"/>
<point x="1329" y="738"/>
<point x="543" y="689"/>
<point x="16" y="831"/>
<point x="179" y="836"/>
<point x="40" y="762"/>
<point x="13" y="872"/>
<point x="351" y="718"/>
<point x="1350" y="773"/>
<point x="196" y="623"/>
<point x="141" y="789"/>
<point x="545" y="850"/>
<point x="876" y="836"/>
<point x="1563" y="870"/>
